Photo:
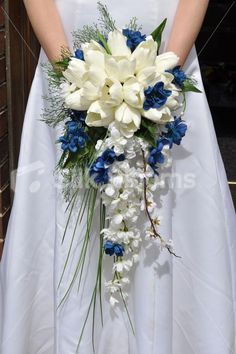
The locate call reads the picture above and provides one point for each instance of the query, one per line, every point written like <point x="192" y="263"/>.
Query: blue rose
<point x="156" y="96"/>
<point x="79" y="54"/>
<point x="179" y="75"/>
<point x="133" y="38"/>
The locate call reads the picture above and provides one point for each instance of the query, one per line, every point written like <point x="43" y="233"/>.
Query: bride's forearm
<point x="48" y="27"/>
<point x="186" y="26"/>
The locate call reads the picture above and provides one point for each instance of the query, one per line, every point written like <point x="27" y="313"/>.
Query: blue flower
<point x="176" y="131"/>
<point x="156" y="155"/>
<point x="113" y="248"/>
<point x="179" y="75"/>
<point x="79" y="54"/>
<point x="109" y="248"/>
<point x="133" y="38"/>
<point x="156" y="96"/>
<point x="74" y="138"/>
<point x="100" y="167"/>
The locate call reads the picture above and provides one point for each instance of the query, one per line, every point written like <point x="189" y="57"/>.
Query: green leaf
<point x="157" y="34"/>
<point x="189" y="86"/>
<point x="148" y="131"/>
<point x="104" y="42"/>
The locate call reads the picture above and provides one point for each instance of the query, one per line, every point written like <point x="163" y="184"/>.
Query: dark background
<point x="218" y="66"/>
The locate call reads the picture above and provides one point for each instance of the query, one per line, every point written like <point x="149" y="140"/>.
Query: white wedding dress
<point x="177" y="305"/>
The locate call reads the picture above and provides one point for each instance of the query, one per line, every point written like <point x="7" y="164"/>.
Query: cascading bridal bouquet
<point x="119" y="101"/>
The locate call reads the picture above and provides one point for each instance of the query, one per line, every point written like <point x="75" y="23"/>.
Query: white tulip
<point x="75" y="72"/>
<point x="133" y="93"/>
<point x="166" y="61"/>
<point x="92" y="45"/>
<point x="148" y="76"/>
<point x="117" y="43"/>
<point x="145" y="54"/>
<point x="158" y="115"/>
<point x="112" y="95"/>
<point x="119" y="68"/>
<point x="99" y="115"/>
<point x="76" y="100"/>
<point x="126" y="114"/>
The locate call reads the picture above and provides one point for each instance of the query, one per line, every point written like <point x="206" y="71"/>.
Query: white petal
<point x="99" y="115"/>
<point x="75" y="71"/>
<point x="160" y="115"/>
<point x="133" y="93"/>
<point x="127" y="114"/>
<point x="166" y="61"/>
<point x="117" y="43"/>
<point x="148" y="76"/>
<point x="77" y="101"/>
<point x="145" y="54"/>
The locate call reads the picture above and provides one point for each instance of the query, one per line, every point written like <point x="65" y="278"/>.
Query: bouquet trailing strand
<point x="121" y="104"/>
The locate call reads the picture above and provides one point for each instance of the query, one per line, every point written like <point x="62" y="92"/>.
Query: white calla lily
<point x="145" y="54"/>
<point x="99" y="115"/>
<point x="117" y="43"/>
<point x="166" y="61"/>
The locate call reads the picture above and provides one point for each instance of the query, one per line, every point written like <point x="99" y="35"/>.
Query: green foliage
<point x="188" y="86"/>
<point x="157" y="34"/>
<point x="148" y="131"/>
<point x="133" y="25"/>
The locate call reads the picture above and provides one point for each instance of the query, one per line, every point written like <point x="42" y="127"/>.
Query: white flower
<point x="117" y="43"/>
<point x="77" y="100"/>
<point x="113" y="301"/>
<point x="160" y="115"/>
<point x="145" y="54"/>
<point x="99" y="115"/>
<point x="75" y="72"/>
<point x="166" y="61"/>
<point x="128" y="119"/>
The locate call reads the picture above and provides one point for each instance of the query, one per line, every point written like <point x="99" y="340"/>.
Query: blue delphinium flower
<point x="179" y="75"/>
<point x="133" y="38"/>
<point x="156" y="96"/>
<point x="175" y="131"/>
<point x="79" y="54"/>
<point x="101" y="165"/>
<point x="113" y="248"/>
<point x="74" y="138"/>
<point x="156" y="155"/>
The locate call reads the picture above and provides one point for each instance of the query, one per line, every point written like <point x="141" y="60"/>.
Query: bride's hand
<point x="186" y="26"/>
<point x="48" y="27"/>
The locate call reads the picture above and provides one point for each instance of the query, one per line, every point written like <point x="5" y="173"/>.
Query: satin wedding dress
<point x="177" y="305"/>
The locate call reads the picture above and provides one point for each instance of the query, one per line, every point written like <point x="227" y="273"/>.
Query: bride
<point x="178" y="305"/>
